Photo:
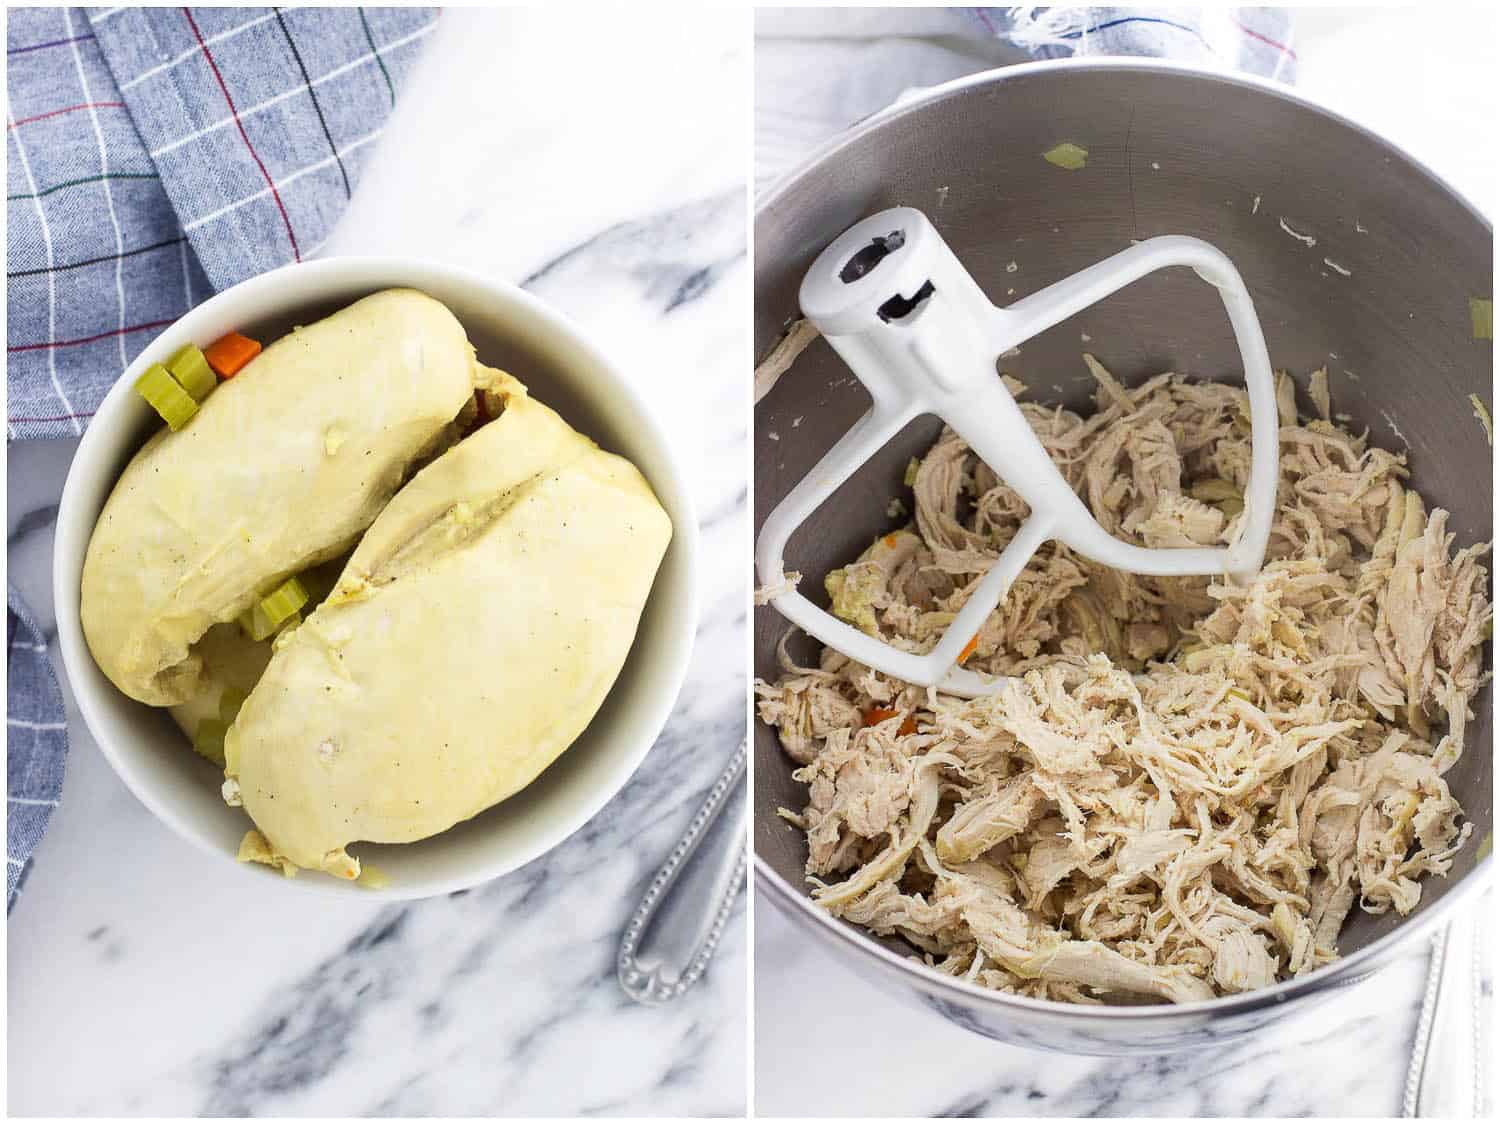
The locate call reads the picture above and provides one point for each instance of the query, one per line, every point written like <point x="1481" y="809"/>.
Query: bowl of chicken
<point x="177" y="541"/>
<point x="1195" y="805"/>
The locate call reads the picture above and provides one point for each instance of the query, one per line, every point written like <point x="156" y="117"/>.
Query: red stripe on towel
<point x="238" y="124"/>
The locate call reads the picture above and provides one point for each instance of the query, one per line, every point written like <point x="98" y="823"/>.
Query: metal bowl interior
<point x="1376" y="288"/>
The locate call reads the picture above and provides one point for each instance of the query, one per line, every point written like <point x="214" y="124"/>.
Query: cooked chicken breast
<point x="282" y="467"/>
<point x="471" y="638"/>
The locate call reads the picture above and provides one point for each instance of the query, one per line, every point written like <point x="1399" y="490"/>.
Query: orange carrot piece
<point x="881" y="714"/>
<point x="969" y="648"/>
<point x="228" y="355"/>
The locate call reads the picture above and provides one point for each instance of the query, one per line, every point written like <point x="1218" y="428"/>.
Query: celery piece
<point x="191" y="370"/>
<point x="1067" y="155"/>
<point x="230" y="703"/>
<point x="284" y="601"/>
<point x="256" y="624"/>
<point x="1482" y="318"/>
<point x="208" y="740"/>
<point x="1482" y="412"/>
<point x="166" y="396"/>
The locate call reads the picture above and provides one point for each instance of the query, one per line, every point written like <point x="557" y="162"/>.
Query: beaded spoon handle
<point x="678" y="924"/>
<point x="1446" y="1078"/>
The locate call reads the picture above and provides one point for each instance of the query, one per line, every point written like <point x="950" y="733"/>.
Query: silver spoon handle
<point x="1446" y="1079"/>
<point x="673" y="932"/>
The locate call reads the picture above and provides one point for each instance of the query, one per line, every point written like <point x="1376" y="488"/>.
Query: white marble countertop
<point x="823" y="1037"/>
<point x="141" y="981"/>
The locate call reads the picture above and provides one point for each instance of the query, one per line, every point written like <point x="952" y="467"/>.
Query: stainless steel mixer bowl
<point x="1170" y="150"/>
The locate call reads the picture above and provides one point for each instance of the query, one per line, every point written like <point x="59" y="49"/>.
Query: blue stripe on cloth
<point x="1107" y="24"/>
<point x="1252" y="39"/>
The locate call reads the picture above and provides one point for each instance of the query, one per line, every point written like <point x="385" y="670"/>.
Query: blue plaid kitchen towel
<point x="1253" y="39"/>
<point x="36" y="739"/>
<point x="156" y="156"/>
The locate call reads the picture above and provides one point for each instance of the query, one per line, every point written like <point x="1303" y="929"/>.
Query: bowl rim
<point x="341" y="271"/>
<point x="799" y="907"/>
<point x="835" y="932"/>
<point x="1000" y="74"/>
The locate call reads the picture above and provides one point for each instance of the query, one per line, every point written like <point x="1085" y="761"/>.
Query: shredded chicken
<point x="1185" y="785"/>
<point x="783" y="355"/>
<point x="786" y="584"/>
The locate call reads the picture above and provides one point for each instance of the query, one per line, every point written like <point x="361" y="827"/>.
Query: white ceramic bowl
<point x="512" y="330"/>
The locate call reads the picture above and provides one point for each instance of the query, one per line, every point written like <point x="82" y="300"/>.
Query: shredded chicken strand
<point x="1186" y="785"/>
<point x="786" y="584"/>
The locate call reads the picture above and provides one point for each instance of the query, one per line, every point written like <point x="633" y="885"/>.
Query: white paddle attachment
<point x="917" y="331"/>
